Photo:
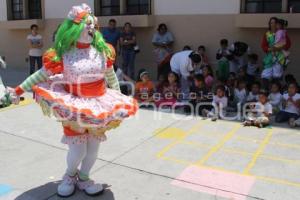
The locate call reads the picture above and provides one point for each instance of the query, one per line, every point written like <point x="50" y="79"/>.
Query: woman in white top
<point x="35" y="52"/>
<point x="162" y="41"/>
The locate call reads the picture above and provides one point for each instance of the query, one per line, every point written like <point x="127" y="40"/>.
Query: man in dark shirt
<point x="127" y="42"/>
<point x="111" y="34"/>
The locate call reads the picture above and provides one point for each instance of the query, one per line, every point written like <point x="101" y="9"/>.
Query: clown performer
<point x="71" y="86"/>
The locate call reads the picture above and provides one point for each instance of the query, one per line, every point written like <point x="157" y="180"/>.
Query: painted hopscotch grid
<point x="220" y="146"/>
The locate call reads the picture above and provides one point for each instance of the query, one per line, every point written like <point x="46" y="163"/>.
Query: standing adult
<point x="55" y="32"/>
<point x="273" y="69"/>
<point x="128" y="42"/>
<point x="238" y="58"/>
<point x="162" y="41"/>
<point x="111" y="34"/>
<point x="183" y="64"/>
<point x="35" y="48"/>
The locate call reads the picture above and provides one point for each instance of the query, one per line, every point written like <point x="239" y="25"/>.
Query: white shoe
<point x="287" y="61"/>
<point x="214" y="119"/>
<point x="297" y="122"/>
<point x="292" y="123"/>
<point x="204" y="114"/>
<point x="67" y="187"/>
<point x="90" y="188"/>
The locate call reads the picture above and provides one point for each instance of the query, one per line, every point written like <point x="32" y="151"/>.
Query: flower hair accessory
<point x="77" y="13"/>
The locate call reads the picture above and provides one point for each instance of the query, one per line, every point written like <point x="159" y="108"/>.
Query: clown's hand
<point x="11" y="96"/>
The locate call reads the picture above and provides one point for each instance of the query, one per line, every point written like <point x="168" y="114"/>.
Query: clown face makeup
<point x="88" y="32"/>
<point x="83" y="14"/>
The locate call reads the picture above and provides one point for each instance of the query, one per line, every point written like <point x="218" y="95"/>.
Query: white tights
<point x="86" y="154"/>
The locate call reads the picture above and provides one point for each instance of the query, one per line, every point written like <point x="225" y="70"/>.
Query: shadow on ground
<point x="48" y="192"/>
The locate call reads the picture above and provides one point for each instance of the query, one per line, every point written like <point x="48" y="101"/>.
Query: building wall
<point x="3" y="10"/>
<point x="191" y="7"/>
<point x="188" y="29"/>
<point x="55" y="9"/>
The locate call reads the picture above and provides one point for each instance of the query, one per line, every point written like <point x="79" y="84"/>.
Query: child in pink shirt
<point x="208" y="78"/>
<point x="280" y="37"/>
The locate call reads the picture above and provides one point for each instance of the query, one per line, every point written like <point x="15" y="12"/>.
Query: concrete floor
<point x="153" y="156"/>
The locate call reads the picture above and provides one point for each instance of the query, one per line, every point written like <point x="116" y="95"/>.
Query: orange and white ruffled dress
<point x="76" y="95"/>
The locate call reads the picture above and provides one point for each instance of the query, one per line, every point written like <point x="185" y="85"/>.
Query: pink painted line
<point x="209" y="179"/>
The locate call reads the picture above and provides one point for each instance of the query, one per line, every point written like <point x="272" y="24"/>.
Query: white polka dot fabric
<point x="83" y="66"/>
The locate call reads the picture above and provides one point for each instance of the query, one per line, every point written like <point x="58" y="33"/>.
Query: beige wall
<point x="14" y="46"/>
<point x="200" y="29"/>
<point x="191" y="7"/>
<point x="260" y="20"/>
<point x="3" y="10"/>
<point x="59" y="8"/>
<point x="55" y="9"/>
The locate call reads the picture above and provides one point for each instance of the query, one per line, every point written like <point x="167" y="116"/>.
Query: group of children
<point x="214" y="93"/>
<point x="215" y="99"/>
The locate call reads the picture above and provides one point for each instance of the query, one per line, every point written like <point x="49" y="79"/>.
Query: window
<point x="122" y="7"/>
<point x="107" y="7"/>
<point x="24" y="9"/>
<point x="34" y="9"/>
<point x="138" y="7"/>
<point x="17" y="9"/>
<point x="263" y="6"/>
<point x="294" y="6"/>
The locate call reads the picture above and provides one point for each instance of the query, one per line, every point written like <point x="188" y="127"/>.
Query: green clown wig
<point x="68" y="34"/>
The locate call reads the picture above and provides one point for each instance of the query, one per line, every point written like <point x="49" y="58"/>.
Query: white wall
<point x="3" y="10"/>
<point x="190" y="7"/>
<point x="59" y="8"/>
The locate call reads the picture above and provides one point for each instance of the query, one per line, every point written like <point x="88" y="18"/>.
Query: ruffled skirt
<point x="89" y="117"/>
